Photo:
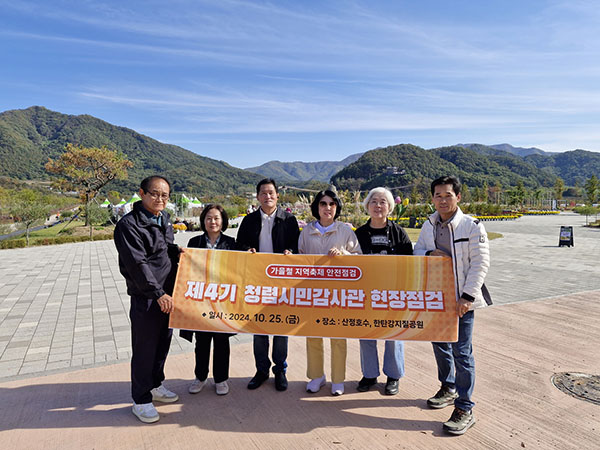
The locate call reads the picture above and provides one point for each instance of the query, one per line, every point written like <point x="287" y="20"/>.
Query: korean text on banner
<point x="357" y="296"/>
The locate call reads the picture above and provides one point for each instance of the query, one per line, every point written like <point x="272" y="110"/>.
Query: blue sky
<point x="248" y="82"/>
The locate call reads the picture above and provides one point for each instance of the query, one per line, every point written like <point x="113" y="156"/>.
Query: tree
<point x="537" y="197"/>
<point x="485" y="191"/>
<point x="114" y="197"/>
<point x="559" y="188"/>
<point x="497" y="192"/>
<point x="465" y="193"/>
<point x="592" y="189"/>
<point x="415" y="197"/>
<point x="28" y="207"/>
<point x="96" y="215"/>
<point x="519" y="193"/>
<point x="586" y="211"/>
<point x="87" y="170"/>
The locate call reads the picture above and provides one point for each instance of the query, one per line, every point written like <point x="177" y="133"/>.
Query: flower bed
<point x="499" y="217"/>
<point x="540" y="213"/>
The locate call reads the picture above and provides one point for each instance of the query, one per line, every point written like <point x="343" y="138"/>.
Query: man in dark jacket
<point x="148" y="261"/>
<point x="271" y="230"/>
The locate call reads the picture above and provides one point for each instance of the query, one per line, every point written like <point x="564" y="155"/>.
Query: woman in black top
<point x="213" y="221"/>
<point x="382" y="236"/>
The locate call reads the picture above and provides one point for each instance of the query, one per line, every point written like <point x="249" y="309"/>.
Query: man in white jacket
<point x="450" y="233"/>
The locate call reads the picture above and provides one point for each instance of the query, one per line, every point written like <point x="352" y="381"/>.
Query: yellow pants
<point x="315" y="359"/>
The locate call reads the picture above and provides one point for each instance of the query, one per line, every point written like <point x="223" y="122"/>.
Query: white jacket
<point x="470" y="253"/>
<point x="340" y="236"/>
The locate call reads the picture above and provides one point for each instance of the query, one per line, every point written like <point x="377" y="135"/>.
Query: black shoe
<point x="391" y="386"/>
<point x="365" y="383"/>
<point x="444" y="397"/>
<point x="281" y="383"/>
<point x="258" y="379"/>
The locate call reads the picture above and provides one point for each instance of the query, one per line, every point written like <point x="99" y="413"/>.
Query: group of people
<point x="148" y="260"/>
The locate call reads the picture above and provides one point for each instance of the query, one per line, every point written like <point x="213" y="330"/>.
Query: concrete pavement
<point x="518" y="347"/>
<point x="66" y="306"/>
<point x="64" y="361"/>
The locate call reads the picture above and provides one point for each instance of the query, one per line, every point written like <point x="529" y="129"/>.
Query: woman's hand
<point x="334" y="252"/>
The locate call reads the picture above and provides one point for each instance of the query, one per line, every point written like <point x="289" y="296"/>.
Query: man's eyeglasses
<point x="158" y="195"/>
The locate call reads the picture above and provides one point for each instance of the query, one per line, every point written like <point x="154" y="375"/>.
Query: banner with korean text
<point x="358" y="296"/>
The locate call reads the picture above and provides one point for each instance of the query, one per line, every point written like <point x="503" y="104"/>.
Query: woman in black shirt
<point x="382" y="236"/>
<point x="213" y="221"/>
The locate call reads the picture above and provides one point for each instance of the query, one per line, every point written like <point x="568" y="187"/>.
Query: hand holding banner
<point x="356" y="296"/>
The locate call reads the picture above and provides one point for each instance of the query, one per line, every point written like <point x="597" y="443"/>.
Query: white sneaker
<point x="337" y="388"/>
<point x="162" y="394"/>
<point x="196" y="386"/>
<point x="316" y="384"/>
<point x="146" y="412"/>
<point x="222" y="388"/>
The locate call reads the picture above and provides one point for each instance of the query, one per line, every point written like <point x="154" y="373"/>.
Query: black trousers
<point x="150" y="342"/>
<point x="220" y="355"/>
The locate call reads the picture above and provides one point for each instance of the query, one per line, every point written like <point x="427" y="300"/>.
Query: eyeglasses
<point x="158" y="195"/>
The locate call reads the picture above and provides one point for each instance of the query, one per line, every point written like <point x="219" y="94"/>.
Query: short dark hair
<point x="146" y="182"/>
<point x="314" y="206"/>
<point x="454" y="181"/>
<point x="266" y="181"/>
<point x="224" y="217"/>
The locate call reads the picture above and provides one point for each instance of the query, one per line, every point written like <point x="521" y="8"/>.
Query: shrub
<point x="13" y="243"/>
<point x="20" y="243"/>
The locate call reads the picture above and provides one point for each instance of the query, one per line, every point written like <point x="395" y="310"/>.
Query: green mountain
<point x="573" y="167"/>
<point x="29" y="137"/>
<point x="303" y="171"/>
<point x="519" y="151"/>
<point x="401" y="165"/>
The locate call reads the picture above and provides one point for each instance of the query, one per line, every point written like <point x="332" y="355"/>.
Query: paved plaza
<point x="66" y="306"/>
<point x="65" y="351"/>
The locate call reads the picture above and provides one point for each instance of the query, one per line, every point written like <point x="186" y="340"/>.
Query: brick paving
<point x="65" y="307"/>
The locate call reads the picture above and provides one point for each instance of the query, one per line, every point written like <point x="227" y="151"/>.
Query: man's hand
<point x="334" y="252"/>
<point x="251" y="250"/>
<point x="438" y="252"/>
<point x="462" y="306"/>
<point x="166" y="304"/>
<point x="287" y="252"/>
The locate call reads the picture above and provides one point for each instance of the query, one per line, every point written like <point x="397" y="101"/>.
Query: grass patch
<point x="59" y="234"/>
<point x="57" y="230"/>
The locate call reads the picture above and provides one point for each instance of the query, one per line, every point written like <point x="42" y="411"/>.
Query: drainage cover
<point x="579" y="385"/>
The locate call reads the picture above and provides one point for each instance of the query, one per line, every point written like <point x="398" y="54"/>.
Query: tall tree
<point x="559" y="188"/>
<point x="592" y="189"/>
<point x="465" y="193"/>
<point x="486" y="191"/>
<point x="519" y="193"/>
<point x="87" y="170"/>
<point x="537" y="197"/>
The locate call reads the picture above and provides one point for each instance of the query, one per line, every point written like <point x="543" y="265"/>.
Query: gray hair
<point x="383" y="191"/>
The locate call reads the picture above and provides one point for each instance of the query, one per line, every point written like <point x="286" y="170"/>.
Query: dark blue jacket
<point x="225" y="242"/>
<point x="147" y="255"/>
<point x="285" y="232"/>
